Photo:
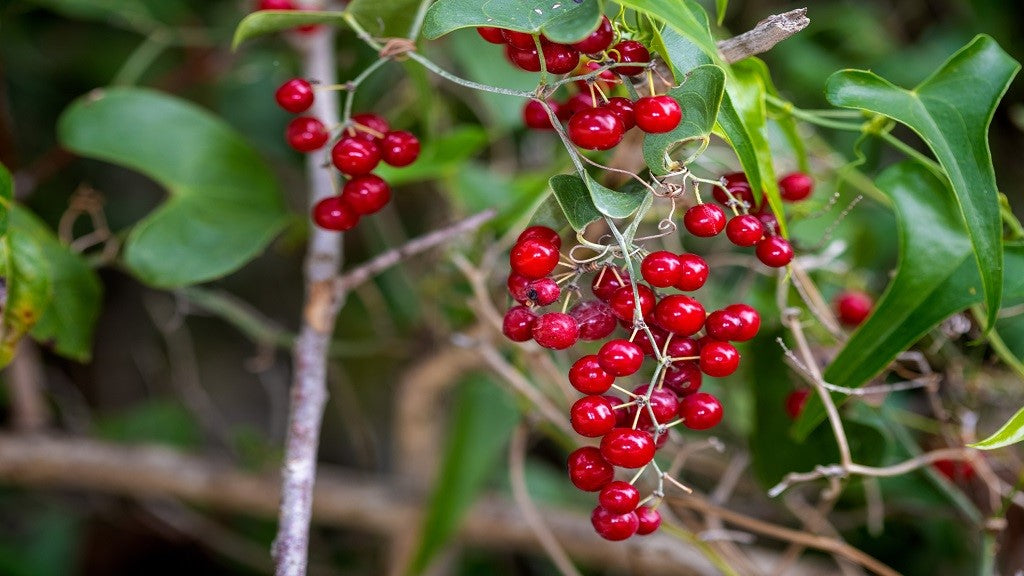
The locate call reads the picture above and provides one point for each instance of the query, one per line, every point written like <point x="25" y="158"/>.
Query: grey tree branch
<point x="764" y="36"/>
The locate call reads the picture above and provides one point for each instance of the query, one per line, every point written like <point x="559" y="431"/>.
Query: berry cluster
<point x="363" y="144"/>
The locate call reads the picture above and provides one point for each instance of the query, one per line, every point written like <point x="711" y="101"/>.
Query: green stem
<point x="785" y="107"/>
<point x="354" y="84"/>
<point x="911" y="153"/>
<point x="997" y="343"/>
<point x="141" y="58"/>
<point x="1010" y="219"/>
<point x="417" y="21"/>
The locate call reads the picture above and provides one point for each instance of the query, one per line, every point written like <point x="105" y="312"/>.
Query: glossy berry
<point x="599" y="40"/>
<point x="623" y="108"/>
<point x="364" y="121"/>
<point x="491" y="34"/>
<point x="332" y="213"/>
<point x="853" y="307"/>
<point x="306" y="134"/>
<point x="657" y="114"/>
<point x="555" y="330"/>
<point x="595" y="319"/>
<point x="774" y="251"/>
<point x="518" y="324"/>
<point x="622" y="417"/>
<point x="744" y="230"/>
<point x="645" y="343"/>
<point x="528" y="59"/>
<point x="795" y="402"/>
<point x="295" y="95"/>
<point x="276" y="5"/>
<point x="628" y="448"/>
<point x="682" y="347"/>
<point x="534" y="115"/>
<point x="769" y="221"/>
<point x="694" y="272"/>
<point x="519" y="287"/>
<point x="796" y="186"/>
<point x="587" y="376"/>
<point x="560" y="59"/>
<point x="400" y="148"/>
<point x="663" y="403"/>
<point x="578" y="102"/>
<point x="750" y="321"/>
<point x="543" y="291"/>
<point x="592" y="416"/>
<point x="624" y="305"/>
<point x="719" y="359"/>
<point x="700" y="411"/>
<point x="595" y="129"/>
<point x="620" y="357"/>
<point x="649" y="520"/>
<point x="355" y="156"/>
<point x="366" y="194"/>
<point x="661" y="269"/>
<point x="619" y="497"/>
<point x="630" y="51"/>
<point x="738" y="186"/>
<point x="614" y="527"/>
<point x="723" y="325"/>
<point x="607" y="280"/>
<point x="683" y="378"/>
<point x="533" y="258"/>
<point x="680" y="314"/>
<point x="704" y="220"/>
<point x="520" y="40"/>
<point x="542" y="233"/>
<point x="954" y="470"/>
<point x="588" y="470"/>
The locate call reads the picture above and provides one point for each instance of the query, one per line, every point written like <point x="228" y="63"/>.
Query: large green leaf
<point x="1010" y="433"/>
<point x="224" y="206"/>
<point x="574" y="199"/>
<point x="26" y="277"/>
<point x="482" y="418"/>
<point x="616" y="203"/>
<point x="269" y="21"/>
<point x="686" y="17"/>
<point x="951" y="111"/>
<point x="566" y="21"/>
<point x="699" y="95"/>
<point x="384" y="18"/>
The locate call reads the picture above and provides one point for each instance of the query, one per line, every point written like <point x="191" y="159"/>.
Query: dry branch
<point x="764" y="36"/>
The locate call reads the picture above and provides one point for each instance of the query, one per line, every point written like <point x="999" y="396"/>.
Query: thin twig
<point x="764" y="36"/>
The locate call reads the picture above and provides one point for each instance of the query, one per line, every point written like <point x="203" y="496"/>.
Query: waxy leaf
<point x="951" y="111"/>
<point x="616" y="203"/>
<point x="699" y="95"/>
<point x="1010" y="433"/>
<point x="384" y="18"/>
<point x="686" y="17"/>
<point x="26" y="273"/>
<point x="564" y="21"/>
<point x="574" y="199"/>
<point x="224" y="206"/>
<point x="270" y="21"/>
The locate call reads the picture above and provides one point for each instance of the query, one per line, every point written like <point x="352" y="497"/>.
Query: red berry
<point x="645" y="344"/>
<point x="750" y="321"/>
<point x="738" y="186"/>
<point x="623" y="108"/>
<point x="682" y="348"/>
<point x="649" y="520"/>
<point x="295" y="95"/>
<point x="774" y="251"/>
<point x="956" y="471"/>
<point x="624" y="305"/>
<point x="533" y="258"/>
<point x="695" y="272"/>
<point x="663" y="403"/>
<point x="366" y="194"/>
<point x="723" y="325"/>
<point x="683" y="378"/>
<point x="630" y="51"/>
<point x="560" y="59"/>
<point x="543" y="291"/>
<point x="657" y="114"/>
<point x="355" y="156"/>
<point x="619" y="497"/>
<point x="595" y="319"/>
<point x="306" y="134"/>
<point x="588" y="470"/>
<point x="614" y="527"/>
<point x="704" y="220"/>
<point x="795" y="402"/>
<point x="520" y="40"/>
<point x="518" y="324"/>
<point x="607" y="280"/>
<point x="700" y="411"/>
<point x="604" y="80"/>
<point x="518" y="287"/>
<point x="400" y="148"/>
<point x="628" y="448"/>
<point x="592" y="416"/>
<point x="542" y="233"/>
<point x="587" y="376"/>
<point x="661" y="269"/>
<point x="622" y="417"/>
<point x="555" y="330"/>
<point x="796" y="186"/>
<point x="679" y="314"/>
<point x="599" y="40"/>
<point x="578" y="102"/>
<point x="719" y="359"/>
<point x="372" y="121"/>
<point x="491" y="34"/>
<point x="276" y="5"/>
<point x="534" y="115"/>
<point x="744" y="230"/>
<point x="527" y="59"/>
<point x="853" y="307"/>
<point x="770" y="223"/>
<point x="620" y="357"/>
<point x="333" y="213"/>
<point x="596" y="129"/>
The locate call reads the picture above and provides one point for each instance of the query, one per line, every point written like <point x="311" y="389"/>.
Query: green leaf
<point x="566" y="21"/>
<point x="439" y="158"/>
<point x="26" y="274"/>
<point x="483" y="418"/>
<point x="699" y="95"/>
<point x="1010" y="433"/>
<point x="951" y="111"/>
<point x="650" y="36"/>
<point x="574" y="199"/>
<point x="269" y="21"/>
<point x="384" y="18"/>
<point x="224" y="206"/>
<point x="720" y="8"/>
<point x="6" y="196"/>
<point x="686" y="17"/>
<point x="549" y="213"/>
<point x="615" y="203"/>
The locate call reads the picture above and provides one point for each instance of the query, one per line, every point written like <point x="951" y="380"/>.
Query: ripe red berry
<point x="276" y="5"/>
<point x="520" y="40"/>
<point x="518" y="324"/>
<point x="750" y="321"/>
<point x="680" y="314"/>
<point x="624" y="305"/>
<point x="533" y="258"/>
<point x="578" y="102"/>
<point x="956" y="471"/>
<point x="534" y="115"/>
<point x="769" y="221"/>
<point x="587" y="376"/>
<point x="588" y="470"/>
<point x="661" y="269"/>
<point x="366" y="194"/>
<point x="595" y="319"/>
<point x="723" y="325"/>
<point x="555" y="330"/>
<point x="400" y="148"/>
<point x="373" y="122"/>
<point x="683" y="378"/>
<point x="657" y="114"/>
<point x="491" y="34"/>
<point x="542" y="233"/>
<point x="619" y="497"/>
<point x="355" y="156"/>
<point x="607" y="280"/>
<point x="663" y="403"/>
<point x="796" y="186"/>
<point x="795" y="402"/>
<point x="295" y="95"/>
<point x="744" y="230"/>
<point x="614" y="527"/>
<point x="306" y="134"/>
<point x="704" y="220"/>
<point x="630" y="51"/>
<point x="543" y="291"/>
<point x="623" y="108"/>
<point x="774" y="251"/>
<point x="719" y="359"/>
<point x="527" y="59"/>
<point x="599" y="40"/>
<point x="738" y="186"/>
<point x="644" y="341"/>
<point x="853" y="307"/>
<point x="628" y="448"/>
<point x="518" y="287"/>
<point x="560" y="59"/>
<point x="333" y="213"/>
<point x="620" y="357"/>
<point x="592" y="416"/>
<point x="694" y="272"/>
<point x="649" y="520"/>
<point x="605" y="80"/>
<point x="596" y="129"/>
<point x="700" y="411"/>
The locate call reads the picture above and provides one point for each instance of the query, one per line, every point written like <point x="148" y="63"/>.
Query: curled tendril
<point x="395" y="48"/>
